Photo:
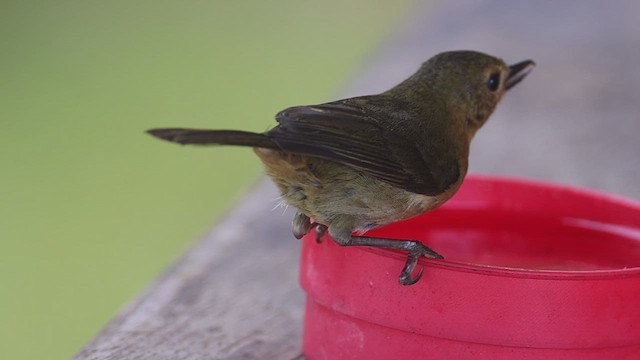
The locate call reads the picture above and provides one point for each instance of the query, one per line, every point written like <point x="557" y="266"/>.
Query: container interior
<point x="521" y="240"/>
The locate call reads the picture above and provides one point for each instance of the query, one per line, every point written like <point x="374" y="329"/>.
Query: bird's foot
<point x="415" y="249"/>
<point x="302" y="225"/>
<point x="418" y="249"/>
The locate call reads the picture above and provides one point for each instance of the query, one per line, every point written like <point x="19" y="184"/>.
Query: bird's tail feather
<point x="213" y="137"/>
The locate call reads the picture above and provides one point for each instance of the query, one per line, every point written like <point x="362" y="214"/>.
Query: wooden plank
<point x="234" y="295"/>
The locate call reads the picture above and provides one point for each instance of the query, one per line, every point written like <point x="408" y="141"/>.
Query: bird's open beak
<point x="517" y="72"/>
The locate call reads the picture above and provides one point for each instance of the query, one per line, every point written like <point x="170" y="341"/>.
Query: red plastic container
<point x="532" y="271"/>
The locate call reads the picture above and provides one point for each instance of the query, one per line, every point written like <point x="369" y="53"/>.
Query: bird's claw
<point x="412" y="260"/>
<point x="320" y="231"/>
<point x="406" y="279"/>
<point x="405" y="275"/>
<point x="302" y="225"/>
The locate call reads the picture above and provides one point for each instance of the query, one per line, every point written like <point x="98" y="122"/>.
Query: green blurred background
<point x="92" y="209"/>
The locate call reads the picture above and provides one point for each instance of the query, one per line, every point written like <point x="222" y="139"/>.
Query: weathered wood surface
<point x="576" y="120"/>
<point x="234" y="295"/>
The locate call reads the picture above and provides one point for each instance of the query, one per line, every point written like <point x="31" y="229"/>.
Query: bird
<point x="352" y="165"/>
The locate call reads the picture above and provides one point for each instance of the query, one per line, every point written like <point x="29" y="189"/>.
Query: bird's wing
<point x="349" y="133"/>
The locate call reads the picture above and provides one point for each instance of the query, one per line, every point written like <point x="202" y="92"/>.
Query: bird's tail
<point x="213" y="137"/>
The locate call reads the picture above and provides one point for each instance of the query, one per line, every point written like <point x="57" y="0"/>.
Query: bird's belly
<point x="328" y="192"/>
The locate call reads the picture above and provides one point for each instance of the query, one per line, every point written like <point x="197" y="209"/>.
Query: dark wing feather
<point x="350" y="133"/>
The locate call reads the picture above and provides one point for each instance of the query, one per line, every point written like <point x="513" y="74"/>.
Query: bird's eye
<point x="494" y="81"/>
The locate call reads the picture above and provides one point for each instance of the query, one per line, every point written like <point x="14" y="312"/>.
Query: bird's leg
<point x="414" y="248"/>
<point x="341" y="232"/>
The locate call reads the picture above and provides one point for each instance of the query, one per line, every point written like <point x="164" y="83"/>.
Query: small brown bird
<point x="356" y="164"/>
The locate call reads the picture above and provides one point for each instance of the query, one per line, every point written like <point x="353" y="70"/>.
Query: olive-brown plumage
<point x="360" y="163"/>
